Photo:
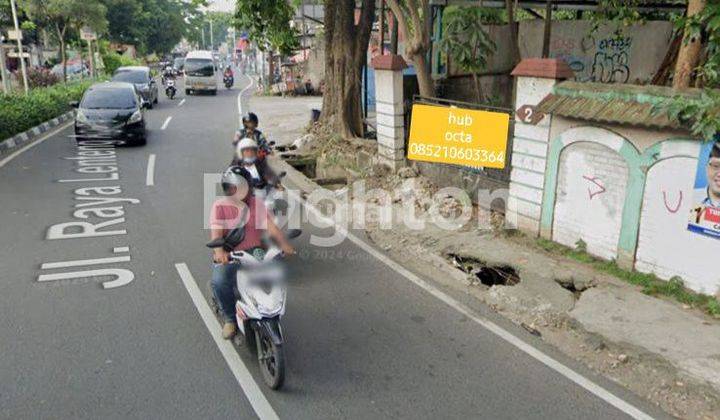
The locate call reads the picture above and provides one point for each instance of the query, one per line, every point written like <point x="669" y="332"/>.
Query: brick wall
<point x="591" y="187"/>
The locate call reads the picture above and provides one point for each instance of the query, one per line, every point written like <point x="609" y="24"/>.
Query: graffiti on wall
<point x="606" y="60"/>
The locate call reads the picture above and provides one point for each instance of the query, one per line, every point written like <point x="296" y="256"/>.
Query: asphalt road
<point x="362" y="340"/>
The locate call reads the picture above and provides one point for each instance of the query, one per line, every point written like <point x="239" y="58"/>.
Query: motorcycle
<point x="229" y="81"/>
<point x="170" y="89"/>
<point x="260" y="303"/>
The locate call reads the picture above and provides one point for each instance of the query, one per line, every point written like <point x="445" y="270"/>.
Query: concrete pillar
<point x="390" y="109"/>
<point x="535" y="79"/>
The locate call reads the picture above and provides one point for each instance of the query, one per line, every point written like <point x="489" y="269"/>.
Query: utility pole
<point x="20" y="48"/>
<point x="212" y="44"/>
<point x="202" y="28"/>
<point x="3" y="70"/>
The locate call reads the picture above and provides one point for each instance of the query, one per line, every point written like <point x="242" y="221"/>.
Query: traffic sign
<point x="14" y="54"/>
<point x="14" y="35"/>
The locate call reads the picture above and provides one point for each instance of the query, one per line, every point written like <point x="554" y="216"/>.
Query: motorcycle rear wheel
<point x="271" y="358"/>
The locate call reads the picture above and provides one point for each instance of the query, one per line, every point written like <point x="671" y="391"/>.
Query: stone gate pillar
<point x="390" y="109"/>
<point x="535" y="79"/>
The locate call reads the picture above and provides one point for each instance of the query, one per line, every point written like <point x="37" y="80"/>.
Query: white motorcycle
<point x="260" y="293"/>
<point x="170" y="90"/>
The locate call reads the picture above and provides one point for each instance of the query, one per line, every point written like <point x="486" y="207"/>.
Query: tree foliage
<point x="61" y="16"/>
<point x="466" y="42"/>
<point x="153" y="26"/>
<point x="268" y="24"/>
<point x="702" y="113"/>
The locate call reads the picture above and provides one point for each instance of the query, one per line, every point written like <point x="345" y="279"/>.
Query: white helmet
<point x="246" y="143"/>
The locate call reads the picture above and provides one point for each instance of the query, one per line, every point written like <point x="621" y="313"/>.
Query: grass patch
<point x="649" y="283"/>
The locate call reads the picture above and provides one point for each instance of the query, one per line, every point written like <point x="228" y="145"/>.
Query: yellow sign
<point x="459" y="136"/>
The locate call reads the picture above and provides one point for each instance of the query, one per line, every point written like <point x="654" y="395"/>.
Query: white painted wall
<point x="587" y="211"/>
<point x="665" y="247"/>
<point x="530" y="146"/>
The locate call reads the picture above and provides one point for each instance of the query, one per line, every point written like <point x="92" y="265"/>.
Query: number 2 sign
<point x="529" y="115"/>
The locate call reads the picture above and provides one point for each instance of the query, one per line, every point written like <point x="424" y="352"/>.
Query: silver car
<point x="144" y="83"/>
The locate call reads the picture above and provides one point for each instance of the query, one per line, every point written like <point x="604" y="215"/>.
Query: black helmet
<point x="234" y="176"/>
<point x="250" y="117"/>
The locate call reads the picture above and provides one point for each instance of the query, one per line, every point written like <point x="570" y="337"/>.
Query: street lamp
<point x="20" y="48"/>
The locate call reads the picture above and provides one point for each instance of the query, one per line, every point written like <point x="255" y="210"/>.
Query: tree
<point x="467" y="43"/>
<point x="415" y="22"/>
<point x="689" y="53"/>
<point x="62" y="15"/>
<point x="268" y="24"/>
<point x="346" y="45"/>
<point x="152" y="26"/>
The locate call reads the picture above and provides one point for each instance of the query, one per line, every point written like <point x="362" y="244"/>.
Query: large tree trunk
<point x="425" y="81"/>
<point x="63" y="58"/>
<point x="689" y="51"/>
<point x="415" y="22"/>
<point x="346" y="47"/>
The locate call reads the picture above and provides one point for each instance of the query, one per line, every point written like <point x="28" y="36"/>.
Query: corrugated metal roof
<point x="614" y="103"/>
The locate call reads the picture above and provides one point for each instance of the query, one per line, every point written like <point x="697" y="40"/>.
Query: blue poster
<point x="705" y="212"/>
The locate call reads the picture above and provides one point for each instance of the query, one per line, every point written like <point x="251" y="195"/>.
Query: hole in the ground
<point x="331" y="183"/>
<point x="306" y="165"/>
<point x="489" y="275"/>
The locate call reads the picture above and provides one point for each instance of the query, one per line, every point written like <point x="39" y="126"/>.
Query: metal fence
<point x="501" y="175"/>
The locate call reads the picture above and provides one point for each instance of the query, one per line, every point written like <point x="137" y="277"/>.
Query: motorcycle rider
<point x="228" y="73"/>
<point x="167" y="74"/>
<point x="238" y="209"/>
<point x="259" y="171"/>
<point x="250" y="123"/>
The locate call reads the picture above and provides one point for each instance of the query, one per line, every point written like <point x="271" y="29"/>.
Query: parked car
<point x="75" y="69"/>
<point x="141" y="77"/>
<point x="111" y="110"/>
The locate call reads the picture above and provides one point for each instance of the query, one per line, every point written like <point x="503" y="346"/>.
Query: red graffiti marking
<point x="675" y="210"/>
<point x="595" y="180"/>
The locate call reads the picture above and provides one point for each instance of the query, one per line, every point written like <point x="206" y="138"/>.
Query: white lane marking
<point x="239" y="97"/>
<point x="165" y="124"/>
<point x="150" y="176"/>
<point x="80" y="263"/>
<point x="119" y="249"/>
<point x="252" y="391"/>
<point x="18" y="152"/>
<point x="504" y="334"/>
<point x="181" y="102"/>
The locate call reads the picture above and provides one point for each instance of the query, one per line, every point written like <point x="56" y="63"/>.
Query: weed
<point x="649" y="283"/>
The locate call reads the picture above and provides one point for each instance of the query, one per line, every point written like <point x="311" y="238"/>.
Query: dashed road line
<point x="150" y="175"/>
<point x="181" y="103"/>
<point x="251" y="389"/>
<point x="165" y="124"/>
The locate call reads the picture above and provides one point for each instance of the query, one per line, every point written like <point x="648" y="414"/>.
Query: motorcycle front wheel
<point x="271" y="358"/>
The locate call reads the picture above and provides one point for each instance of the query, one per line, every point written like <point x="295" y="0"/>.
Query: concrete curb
<point x="19" y="140"/>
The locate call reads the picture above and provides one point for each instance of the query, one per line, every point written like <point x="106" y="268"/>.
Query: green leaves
<point x="20" y="112"/>
<point x="701" y="114"/>
<point x="465" y="40"/>
<point x="268" y="23"/>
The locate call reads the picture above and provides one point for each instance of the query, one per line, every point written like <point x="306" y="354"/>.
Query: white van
<point x="200" y="72"/>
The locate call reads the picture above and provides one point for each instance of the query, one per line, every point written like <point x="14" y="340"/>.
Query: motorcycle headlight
<point x="81" y="117"/>
<point x="135" y="117"/>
